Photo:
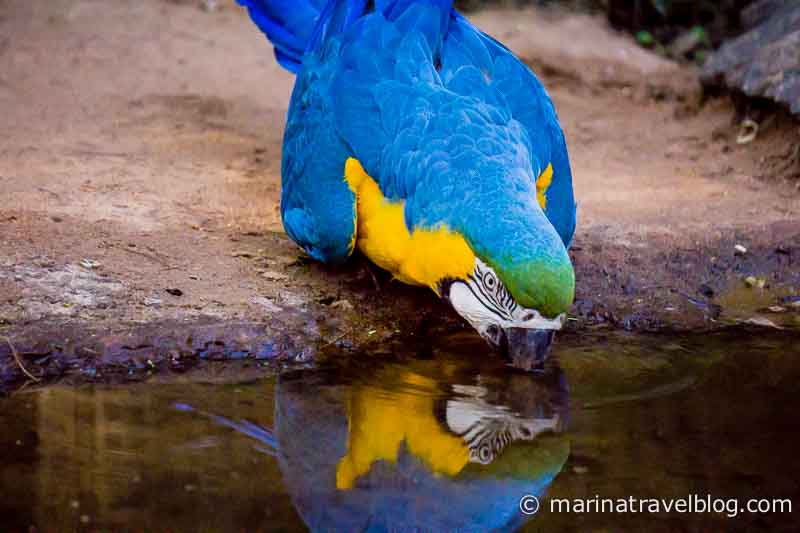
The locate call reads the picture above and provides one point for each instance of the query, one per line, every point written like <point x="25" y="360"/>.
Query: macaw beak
<point x="525" y="348"/>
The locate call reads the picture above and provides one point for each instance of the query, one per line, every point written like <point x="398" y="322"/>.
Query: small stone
<point x="343" y="305"/>
<point x="85" y="519"/>
<point x="761" y="321"/>
<point x="752" y="281"/>
<point x="175" y="292"/>
<point x="276" y="276"/>
<point x="152" y="302"/>
<point x="242" y="253"/>
<point x="189" y="487"/>
<point x="74" y="504"/>
<point x="739" y="250"/>
<point x="268" y="305"/>
<point x="580" y="470"/>
<point x="89" y="264"/>
<point x="776" y="309"/>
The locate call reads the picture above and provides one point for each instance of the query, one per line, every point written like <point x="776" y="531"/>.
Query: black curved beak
<point x="527" y="349"/>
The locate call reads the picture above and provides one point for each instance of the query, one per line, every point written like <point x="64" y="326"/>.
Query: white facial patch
<point x="487" y="429"/>
<point x="483" y="301"/>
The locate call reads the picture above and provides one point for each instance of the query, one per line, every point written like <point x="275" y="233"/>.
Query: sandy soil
<point x="140" y="175"/>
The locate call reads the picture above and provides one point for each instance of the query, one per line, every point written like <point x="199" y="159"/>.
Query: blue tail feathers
<point x="290" y="24"/>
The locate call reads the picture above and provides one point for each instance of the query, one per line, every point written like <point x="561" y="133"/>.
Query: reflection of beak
<point x="527" y="348"/>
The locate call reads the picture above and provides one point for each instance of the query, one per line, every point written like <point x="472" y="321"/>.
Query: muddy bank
<point x="140" y="172"/>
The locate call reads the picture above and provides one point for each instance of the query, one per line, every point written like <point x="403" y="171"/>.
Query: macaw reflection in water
<point x="417" y="447"/>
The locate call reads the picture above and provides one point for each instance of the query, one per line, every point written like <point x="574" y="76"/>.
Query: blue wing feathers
<point x="437" y="112"/>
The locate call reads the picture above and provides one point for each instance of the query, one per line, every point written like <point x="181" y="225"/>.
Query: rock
<point x="688" y="42"/>
<point x="752" y="281"/>
<point x="273" y="275"/>
<point x="739" y="250"/>
<point x="764" y="61"/>
<point x="763" y="322"/>
<point x="343" y="305"/>
<point x="291" y="299"/>
<point x="758" y="12"/>
<point x="152" y="302"/>
<point x="268" y="305"/>
<point x="89" y="264"/>
<point x="174" y="292"/>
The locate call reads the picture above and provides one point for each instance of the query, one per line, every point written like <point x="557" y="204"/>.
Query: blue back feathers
<point x="441" y="115"/>
<point x="292" y="25"/>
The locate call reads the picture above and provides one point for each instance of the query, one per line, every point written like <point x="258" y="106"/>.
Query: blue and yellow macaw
<point x="429" y="146"/>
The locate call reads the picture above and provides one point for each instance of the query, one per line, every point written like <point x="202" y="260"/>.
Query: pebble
<point x="276" y="276"/>
<point x="89" y="264"/>
<point x="739" y="250"/>
<point x="344" y="305"/>
<point x="152" y="302"/>
<point x="761" y="321"/>
<point x="268" y="305"/>
<point x="752" y="281"/>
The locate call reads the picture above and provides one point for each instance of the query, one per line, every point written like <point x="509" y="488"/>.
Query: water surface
<point x="440" y="438"/>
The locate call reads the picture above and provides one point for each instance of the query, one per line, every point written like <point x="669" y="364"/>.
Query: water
<point x="438" y="439"/>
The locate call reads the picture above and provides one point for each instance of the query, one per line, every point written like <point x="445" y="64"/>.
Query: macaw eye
<point x="484" y="454"/>
<point x="489" y="281"/>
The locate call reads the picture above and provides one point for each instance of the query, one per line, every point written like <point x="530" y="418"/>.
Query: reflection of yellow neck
<point x="380" y="423"/>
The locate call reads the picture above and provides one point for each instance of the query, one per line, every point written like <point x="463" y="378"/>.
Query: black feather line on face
<point x="487" y="288"/>
<point x="496" y="291"/>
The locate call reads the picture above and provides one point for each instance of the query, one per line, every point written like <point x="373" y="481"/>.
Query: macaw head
<point x="517" y="283"/>
<point x="517" y="305"/>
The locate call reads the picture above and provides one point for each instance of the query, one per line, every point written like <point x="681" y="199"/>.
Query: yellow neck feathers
<point x="542" y="184"/>
<point x="422" y="257"/>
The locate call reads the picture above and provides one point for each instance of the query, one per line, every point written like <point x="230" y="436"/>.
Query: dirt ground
<point x="140" y="151"/>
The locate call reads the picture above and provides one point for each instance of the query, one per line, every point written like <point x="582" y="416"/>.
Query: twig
<point x="337" y="339"/>
<point x="18" y="360"/>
